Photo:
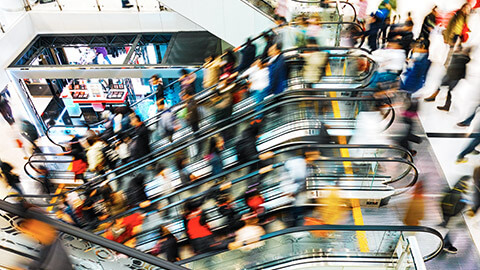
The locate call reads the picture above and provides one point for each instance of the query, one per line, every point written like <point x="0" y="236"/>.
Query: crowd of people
<point x="402" y="67"/>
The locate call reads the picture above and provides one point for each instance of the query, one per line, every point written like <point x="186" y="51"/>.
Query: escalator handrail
<point x="101" y="178"/>
<point x="284" y="148"/>
<point x="385" y="228"/>
<point x="101" y="241"/>
<point x="248" y="115"/>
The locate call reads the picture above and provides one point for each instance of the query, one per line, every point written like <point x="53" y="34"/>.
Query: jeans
<point x="258" y="97"/>
<point x="470" y="147"/>
<point x="469" y="119"/>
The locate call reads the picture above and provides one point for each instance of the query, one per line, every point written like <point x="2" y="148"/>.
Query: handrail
<point x="367" y="228"/>
<point x="100" y="178"/>
<point x="69" y="229"/>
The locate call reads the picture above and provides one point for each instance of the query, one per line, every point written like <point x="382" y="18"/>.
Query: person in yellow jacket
<point x="416" y="207"/>
<point x="456" y="25"/>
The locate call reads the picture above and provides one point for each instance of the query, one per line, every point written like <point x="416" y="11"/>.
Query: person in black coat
<point x="427" y="26"/>
<point x="136" y="191"/>
<point x="11" y="178"/>
<point x="455" y="72"/>
<point x="141" y="143"/>
<point x="248" y="54"/>
<point x="167" y="244"/>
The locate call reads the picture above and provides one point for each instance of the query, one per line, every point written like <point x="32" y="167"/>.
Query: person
<point x="222" y="104"/>
<point x="452" y="204"/>
<point x="315" y="62"/>
<point x="248" y="54"/>
<point x="167" y="244"/>
<point x="476" y="193"/>
<point x="52" y="253"/>
<point x="126" y="4"/>
<point x="376" y="23"/>
<point x="124" y="229"/>
<point x="195" y="224"/>
<point x="12" y="179"/>
<point x="258" y="79"/>
<point x="416" y="207"/>
<point x="187" y="84"/>
<point x="362" y="6"/>
<point x="428" y="25"/>
<point x="157" y="84"/>
<point x="89" y="215"/>
<point x="5" y="108"/>
<point x="269" y="41"/>
<point x="211" y="73"/>
<point x="246" y="146"/>
<point x="390" y="64"/>
<point x="101" y="51"/>
<point x="166" y="123"/>
<point x="386" y="7"/>
<point x="405" y="36"/>
<point x="186" y="177"/>
<point x="214" y="156"/>
<point x="228" y="65"/>
<point x="456" y="71"/>
<point x="226" y="208"/>
<point x="44" y="178"/>
<point x="456" y="26"/>
<point x="248" y="237"/>
<point x="277" y="70"/>
<point x="95" y="156"/>
<point x="416" y="73"/>
<point x="136" y="191"/>
<point x="470" y="148"/>
<point x="142" y="140"/>
<point x="193" y="116"/>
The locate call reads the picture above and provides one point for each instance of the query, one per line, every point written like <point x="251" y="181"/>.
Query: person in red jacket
<point x="198" y="231"/>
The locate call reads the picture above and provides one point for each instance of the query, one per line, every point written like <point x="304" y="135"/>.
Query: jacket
<point x="141" y="143"/>
<point x="277" y="75"/>
<point x="314" y="66"/>
<point x="211" y="73"/>
<point x="455" y="27"/>
<point x="95" y="156"/>
<point x="248" y="56"/>
<point x="416" y="75"/>
<point x="196" y="225"/>
<point x="458" y="66"/>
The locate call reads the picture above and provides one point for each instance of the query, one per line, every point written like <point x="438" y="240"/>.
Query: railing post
<point x="138" y="7"/>
<point x="26" y="5"/>
<point x="59" y="6"/>
<point x="98" y="5"/>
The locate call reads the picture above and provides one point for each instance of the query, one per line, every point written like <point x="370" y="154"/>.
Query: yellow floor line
<point x="54" y="199"/>
<point x="356" y="210"/>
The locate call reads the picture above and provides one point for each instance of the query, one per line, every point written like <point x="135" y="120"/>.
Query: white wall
<point x="230" y="20"/>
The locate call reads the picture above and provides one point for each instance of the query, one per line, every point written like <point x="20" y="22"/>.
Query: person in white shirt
<point x="391" y="61"/>
<point x="258" y="78"/>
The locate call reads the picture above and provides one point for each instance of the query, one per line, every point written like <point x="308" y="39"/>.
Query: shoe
<point x="451" y="249"/>
<point x="461" y="124"/>
<point x="474" y="152"/>
<point x="413" y="152"/>
<point x="461" y="160"/>
<point x="429" y="99"/>
<point x="443" y="108"/>
<point x="127" y="6"/>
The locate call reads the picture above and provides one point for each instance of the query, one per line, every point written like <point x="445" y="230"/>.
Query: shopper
<point x="186" y="177"/>
<point x="415" y="75"/>
<point x="428" y="25"/>
<point x="157" y="84"/>
<point x="476" y="192"/>
<point x="470" y="148"/>
<point x="12" y="179"/>
<point x="101" y="51"/>
<point x="187" y="84"/>
<point x="166" y="244"/>
<point x="222" y="104"/>
<point x="198" y="231"/>
<point x="193" y="116"/>
<point x="248" y="54"/>
<point x="136" y="191"/>
<point x="226" y="208"/>
<point x="141" y="141"/>
<point x="166" y="123"/>
<point x="456" y="26"/>
<point x="5" y="108"/>
<point x="211" y="73"/>
<point x="455" y="72"/>
<point x="315" y="62"/>
<point x="374" y="27"/>
<point x="95" y="156"/>
<point x="228" y="65"/>
<point x="248" y="237"/>
<point x="416" y="207"/>
<point x="214" y="156"/>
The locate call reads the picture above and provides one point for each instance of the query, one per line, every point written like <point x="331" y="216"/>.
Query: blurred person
<point x="226" y="208"/>
<point x="29" y="132"/>
<point x="452" y="204"/>
<point x="313" y="28"/>
<point x="222" y="104"/>
<point x="456" y="26"/>
<point x="68" y="209"/>
<point x="390" y="64"/>
<point x="126" y="4"/>
<point x="228" y="65"/>
<point x="214" y="156"/>
<point x="89" y="215"/>
<point x="44" y="178"/>
<point x="121" y="120"/>
<point x="384" y="31"/>
<point x="255" y="201"/>
<point x="117" y="203"/>
<point x="211" y="73"/>
<point x="333" y="210"/>
<point x="248" y="54"/>
<point x="386" y="7"/>
<point x="141" y="142"/>
<point x="124" y="229"/>
<point x="158" y="88"/>
<point x="428" y="25"/>
<point x="476" y="193"/>
<point x="195" y="224"/>
<point x="246" y="146"/>
<point x="301" y="27"/>
<point x="52" y="254"/>
<point x="455" y="72"/>
<point x="108" y="123"/>
<point x="101" y="51"/>
<point x="5" y="108"/>
<point x="136" y="191"/>
<point x="11" y="178"/>
<point x="187" y="84"/>
<point x="415" y="75"/>
<point x="193" y="116"/>
<point x="277" y="70"/>
<point x="166" y="123"/>
<point x="315" y="62"/>
<point x="470" y="148"/>
<point x="404" y="35"/>
<point x="362" y="6"/>
<point x="258" y="79"/>
<point x="121" y="146"/>
<point x="269" y="40"/>
<point x="248" y="237"/>
<point x="416" y="207"/>
<point x="95" y="156"/>
<point x="374" y="27"/>
<point x="186" y="177"/>
<point x="408" y="118"/>
<point x="167" y="244"/>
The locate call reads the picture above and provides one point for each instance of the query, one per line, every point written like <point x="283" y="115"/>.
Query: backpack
<point x="452" y="203"/>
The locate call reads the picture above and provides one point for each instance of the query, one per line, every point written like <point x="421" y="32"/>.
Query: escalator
<point x="294" y="124"/>
<point x="376" y="247"/>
